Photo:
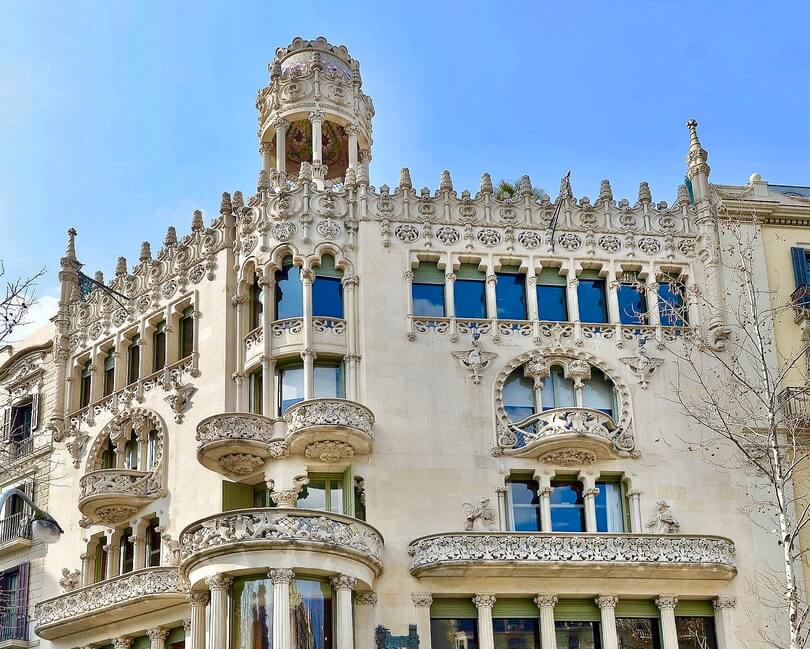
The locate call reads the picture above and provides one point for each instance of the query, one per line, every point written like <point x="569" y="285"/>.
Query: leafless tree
<point x="19" y="297"/>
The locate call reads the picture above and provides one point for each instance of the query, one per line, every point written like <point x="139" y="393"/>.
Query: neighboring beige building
<point x="336" y="410"/>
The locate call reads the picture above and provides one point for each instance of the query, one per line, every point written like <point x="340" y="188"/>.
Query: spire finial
<point x="146" y="252"/>
<point x="697" y="156"/>
<point x="486" y="183"/>
<point x="70" y="251"/>
<point x="121" y="267"/>
<point x="171" y="237"/>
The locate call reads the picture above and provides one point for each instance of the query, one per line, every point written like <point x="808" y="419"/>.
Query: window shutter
<point x="458" y="608"/>
<point x="577" y="610"/>
<point x="348" y="492"/>
<point x="21" y="623"/>
<point x="637" y="608"/>
<point x="236" y="496"/>
<point x="515" y="607"/>
<point x="35" y="410"/>
<point x="799" y="258"/>
<point x="694" y="608"/>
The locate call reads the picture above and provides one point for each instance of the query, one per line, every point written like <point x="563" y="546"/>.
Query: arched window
<point x="289" y="291"/>
<point x="558" y="391"/>
<point x="152" y="449"/>
<point x="256" y="304"/>
<point x="518" y="396"/>
<point x="327" y="289"/>
<point x="597" y="392"/>
<point x="131" y="454"/>
<point x="108" y="455"/>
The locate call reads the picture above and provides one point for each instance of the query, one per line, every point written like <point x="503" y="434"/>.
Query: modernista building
<point x="341" y="416"/>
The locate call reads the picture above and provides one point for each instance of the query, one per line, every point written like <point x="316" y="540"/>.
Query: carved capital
<point x="724" y="602"/>
<point x="343" y="582"/>
<point x="666" y="602"/>
<point x="198" y="599"/>
<point x="606" y="601"/>
<point x="422" y="599"/>
<point x="219" y="582"/>
<point x="484" y="600"/>
<point x="281" y="575"/>
<point x="122" y="642"/>
<point x="158" y="633"/>
<point x="545" y="600"/>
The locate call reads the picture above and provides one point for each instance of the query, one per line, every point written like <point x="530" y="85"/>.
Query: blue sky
<point x="121" y="118"/>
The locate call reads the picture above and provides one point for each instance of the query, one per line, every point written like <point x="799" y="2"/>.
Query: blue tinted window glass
<point x="470" y="299"/>
<point x="525" y="506"/>
<point x="552" y="303"/>
<point x="632" y="305"/>
<point x="609" y="508"/>
<point x="567" y="507"/>
<point x="592" y="303"/>
<point x="671" y="304"/>
<point x="428" y="299"/>
<point x="327" y="297"/>
<point x="289" y="293"/>
<point x="510" y="296"/>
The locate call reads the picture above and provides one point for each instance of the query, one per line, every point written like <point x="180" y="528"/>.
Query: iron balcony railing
<point x="794" y="404"/>
<point x="800" y="299"/>
<point x="15" y="526"/>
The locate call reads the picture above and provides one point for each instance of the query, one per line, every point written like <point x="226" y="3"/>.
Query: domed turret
<point x="314" y="96"/>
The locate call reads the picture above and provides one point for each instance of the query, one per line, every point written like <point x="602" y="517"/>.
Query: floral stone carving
<point x="240" y="463"/>
<point x="329" y="451"/>
<point x="329" y="413"/>
<point x="569" y="457"/>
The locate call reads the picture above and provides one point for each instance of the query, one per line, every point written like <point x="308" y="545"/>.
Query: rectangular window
<point x="801" y="266"/>
<point x="671" y="302"/>
<point x="323" y="493"/>
<point x="696" y="632"/>
<point x="578" y="635"/>
<point x="131" y="454"/>
<point x="610" y="507"/>
<point x="638" y="633"/>
<point x="327" y="290"/>
<point x="133" y="360"/>
<point x="290" y="386"/>
<point x="109" y="373"/>
<point x="21" y="420"/>
<point x="591" y="297"/>
<point x="428" y="290"/>
<point x="100" y="561"/>
<point x="454" y="633"/>
<point x="127" y="551"/>
<point x="84" y="386"/>
<point x="470" y="293"/>
<point x="187" y="332"/>
<point x="552" y="298"/>
<point x="159" y="347"/>
<point x="567" y="506"/>
<point x="14" y="603"/>
<point x="153" y="544"/>
<point x="632" y="303"/>
<point x="516" y="632"/>
<point x="256" y="305"/>
<point x="255" y="394"/>
<point x="510" y="294"/>
<point x="236" y="496"/>
<point x="328" y="381"/>
<point x="524" y="505"/>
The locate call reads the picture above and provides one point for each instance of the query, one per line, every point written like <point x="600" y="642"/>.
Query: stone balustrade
<point x="112" y="495"/>
<point x="539" y="553"/>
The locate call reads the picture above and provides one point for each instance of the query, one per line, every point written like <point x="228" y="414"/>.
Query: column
<point x="607" y="608"/>
<point x="352" y="130"/>
<point x="282" y="636"/>
<point x="198" y="602"/>
<point x="724" y="622"/>
<point x="281" y="146"/>
<point x="267" y="282"/>
<point x="503" y="516"/>
<point x="669" y="633"/>
<point x="349" y="283"/>
<point x="157" y="637"/>
<point x="571" y="294"/>
<point x="240" y="302"/>
<point x="651" y="294"/>
<point x="187" y="632"/>
<point x="343" y="586"/>
<point x="138" y="539"/>
<point x="544" y="494"/>
<point x="316" y="120"/>
<point x="484" y="603"/>
<point x="492" y="303"/>
<point x="364" y="604"/>
<point x="612" y="285"/>
<point x="264" y="152"/>
<point x="589" y="493"/>
<point x="88" y="564"/>
<point x="408" y="276"/>
<point x="112" y="548"/>
<point x="421" y="605"/>
<point x="548" y="635"/>
<point x="219" y="585"/>
<point x="268" y="376"/>
<point x="142" y="435"/>
<point x="531" y="297"/>
<point x="634" y="498"/>
<point x="308" y="356"/>
<point x="450" y="295"/>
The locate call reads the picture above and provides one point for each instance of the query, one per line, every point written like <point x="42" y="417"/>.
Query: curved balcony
<point x="127" y="596"/>
<point x="329" y="429"/>
<point x="237" y="443"/>
<point x="113" y="495"/>
<point x="316" y="540"/>
<point x="552" y="554"/>
<point x="554" y="434"/>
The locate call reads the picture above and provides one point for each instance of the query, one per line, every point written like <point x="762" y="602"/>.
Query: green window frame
<point x="339" y="492"/>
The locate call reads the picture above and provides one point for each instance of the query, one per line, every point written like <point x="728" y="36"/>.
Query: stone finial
<point x="351" y="178"/>
<point x="70" y="250"/>
<point x="605" y="191"/>
<point x="171" y="237"/>
<point x="362" y="174"/>
<point x="697" y="156"/>
<point x="238" y="202"/>
<point x="99" y="277"/>
<point x="405" y="178"/>
<point x="197" y="221"/>
<point x="225" y="206"/>
<point x="525" y="188"/>
<point x="146" y="252"/>
<point x="683" y="195"/>
<point x="644" y="194"/>
<point x="263" y="184"/>
<point x="446" y="183"/>
<point x="305" y="172"/>
<point x="121" y="267"/>
<point x="486" y="183"/>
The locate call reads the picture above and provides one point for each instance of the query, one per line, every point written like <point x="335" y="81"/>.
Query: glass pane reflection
<point x="454" y="634"/>
<point x="516" y="633"/>
<point x="252" y="601"/>
<point x="311" y="614"/>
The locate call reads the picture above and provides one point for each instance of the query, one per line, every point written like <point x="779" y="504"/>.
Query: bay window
<point x="311" y="614"/>
<point x="520" y="630"/>
<point x="469" y="292"/>
<point x="567" y="506"/>
<point x="694" y="622"/>
<point x="453" y="624"/>
<point x="598" y="392"/>
<point x="290" y="382"/>
<point x="591" y="297"/>
<point x="552" y="298"/>
<point x="159" y="346"/>
<point x="671" y="301"/>
<point x="252" y="613"/>
<point x="510" y="294"/>
<point x="518" y="396"/>
<point x="289" y="291"/>
<point x="637" y="624"/>
<point x="632" y="303"/>
<point x="558" y="391"/>
<point x="427" y="290"/>
<point x="334" y="492"/>
<point x="131" y="454"/>
<point x="327" y="290"/>
<point x="327" y="384"/>
<point x="328" y="380"/>
<point x="576" y="624"/>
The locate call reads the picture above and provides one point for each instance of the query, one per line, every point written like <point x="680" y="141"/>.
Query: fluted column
<point x="421" y="604"/>
<point x="669" y="633"/>
<point x="281" y="146"/>
<point x="157" y="637"/>
<point x="219" y="585"/>
<point x="724" y="622"/>
<point x="364" y="604"/>
<point x="282" y="635"/>
<point x="343" y="586"/>
<point x="607" y="609"/>
<point x="484" y="603"/>
<point x="186" y="632"/>
<point x="198" y="601"/>
<point x="548" y="634"/>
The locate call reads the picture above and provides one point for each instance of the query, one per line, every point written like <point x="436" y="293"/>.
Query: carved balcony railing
<point x="254" y="343"/>
<point x="246" y="530"/>
<point x="794" y="404"/>
<point x="113" y="495"/>
<point x="135" y="593"/>
<point x="592" y="431"/>
<point x="539" y="553"/>
<point x="324" y="428"/>
<point x="237" y="443"/>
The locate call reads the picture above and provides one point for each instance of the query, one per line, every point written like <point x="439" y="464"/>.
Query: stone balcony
<point x="533" y="554"/>
<point x="135" y="593"/>
<point x="315" y="540"/>
<point x="110" y="496"/>
<point x="329" y="430"/>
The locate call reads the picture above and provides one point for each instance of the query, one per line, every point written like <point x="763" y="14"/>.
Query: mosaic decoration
<point x="334" y="151"/>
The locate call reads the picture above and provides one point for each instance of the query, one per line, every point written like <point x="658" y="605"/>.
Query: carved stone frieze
<point x="339" y="413"/>
<point x="234" y="426"/>
<point x="569" y="457"/>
